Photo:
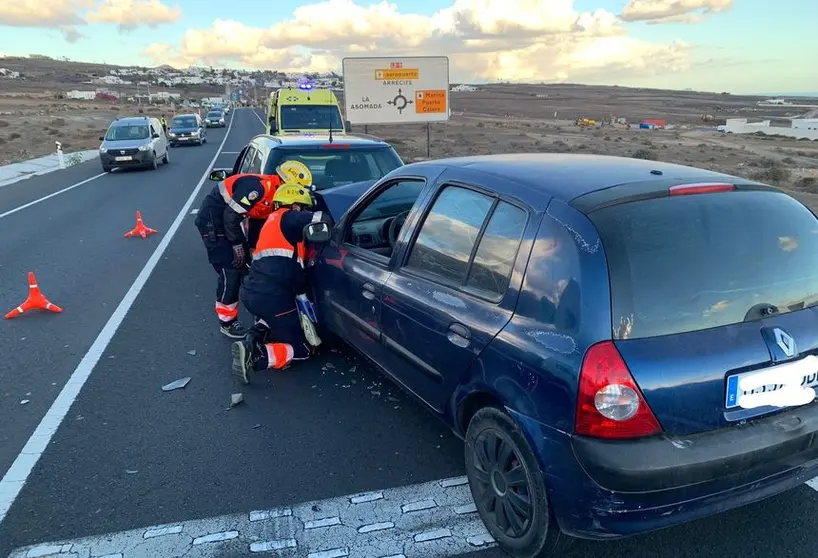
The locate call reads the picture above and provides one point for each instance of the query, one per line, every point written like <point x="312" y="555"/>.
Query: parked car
<point x="186" y="129"/>
<point x="346" y="159"/>
<point x="135" y="141"/>
<point x="622" y="345"/>
<point x="215" y="118"/>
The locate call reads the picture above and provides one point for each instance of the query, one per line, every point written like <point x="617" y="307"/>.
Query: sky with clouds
<point x="741" y="46"/>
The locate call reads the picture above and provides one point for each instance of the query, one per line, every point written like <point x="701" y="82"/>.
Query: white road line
<point x="229" y="152"/>
<point x="332" y="528"/>
<point x="49" y="196"/>
<point x="260" y="119"/>
<point x="17" y="475"/>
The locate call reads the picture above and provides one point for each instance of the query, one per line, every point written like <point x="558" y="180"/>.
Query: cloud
<point x="40" y="13"/>
<point x="129" y="14"/>
<point x="485" y="40"/>
<point x="672" y="11"/>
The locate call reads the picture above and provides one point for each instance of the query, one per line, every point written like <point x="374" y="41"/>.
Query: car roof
<point x="131" y="120"/>
<point x="186" y="115"/>
<point x="308" y="140"/>
<point x="568" y="176"/>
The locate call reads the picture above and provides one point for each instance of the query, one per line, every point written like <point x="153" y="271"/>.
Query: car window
<point x="184" y="122"/>
<point x="256" y="164"/>
<point x="311" y="117"/>
<point x="369" y="228"/>
<point x="449" y="232"/>
<point x="247" y="163"/>
<point x="336" y="167"/>
<point x="494" y="260"/>
<point x="124" y="132"/>
<point x="153" y="129"/>
<point x="688" y="263"/>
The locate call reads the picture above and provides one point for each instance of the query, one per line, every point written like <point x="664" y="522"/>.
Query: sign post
<point x="401" y="90"/>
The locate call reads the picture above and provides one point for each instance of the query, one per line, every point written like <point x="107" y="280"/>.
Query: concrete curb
<point x="10" y="174"/>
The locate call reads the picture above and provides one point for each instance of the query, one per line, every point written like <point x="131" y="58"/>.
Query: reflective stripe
<point x="317" y="216"/>
<point x="227" y="312"/>
<point x="279" y="355"/>
<point x="228" y="199"/>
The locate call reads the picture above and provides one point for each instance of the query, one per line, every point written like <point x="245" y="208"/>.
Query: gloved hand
<point x="239" y="258"/>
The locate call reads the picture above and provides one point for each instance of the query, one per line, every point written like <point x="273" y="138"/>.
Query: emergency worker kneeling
<point x="277" y="276"/>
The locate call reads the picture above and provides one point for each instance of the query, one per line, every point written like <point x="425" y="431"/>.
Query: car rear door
<point x="706" y="289"/>
<point x="450" y="296"/>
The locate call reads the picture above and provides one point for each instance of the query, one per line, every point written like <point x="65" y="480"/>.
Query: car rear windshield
<point x="311" y="117"/>
<point x="690" y="263"/>
<point x="123" y="133"/>
<point x="332" y="167"/>
<point x="184" y="122"/>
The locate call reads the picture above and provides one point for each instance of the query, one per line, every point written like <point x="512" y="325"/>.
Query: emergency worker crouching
<point x="219" y="220"/>
<point x="277" y="276"/>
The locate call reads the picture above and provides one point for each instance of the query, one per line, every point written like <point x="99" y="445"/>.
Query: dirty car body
<point x="594" y="327"/>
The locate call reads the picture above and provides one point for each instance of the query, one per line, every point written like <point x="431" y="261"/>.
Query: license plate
<point x="803" y="373"/>
<point x="126" y="158"/>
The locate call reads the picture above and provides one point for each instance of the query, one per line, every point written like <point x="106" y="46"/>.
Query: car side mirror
<point x="155" y="136"/>
<point x="317" y="233"/>
<point x="218" y="175"/>
<point x="348" y="125"/>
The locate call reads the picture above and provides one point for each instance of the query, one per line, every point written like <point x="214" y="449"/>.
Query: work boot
<point x="233" y="330"/>
<point x="248" y="357"/>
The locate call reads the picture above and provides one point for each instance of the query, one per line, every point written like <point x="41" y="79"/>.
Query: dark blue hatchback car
<point x="624" y="345"/>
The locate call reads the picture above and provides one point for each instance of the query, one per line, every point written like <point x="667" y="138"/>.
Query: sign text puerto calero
<point x="409" y="89"/>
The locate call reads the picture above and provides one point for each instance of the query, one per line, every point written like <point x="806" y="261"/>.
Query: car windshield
<point x="215" y="114"/>
<point x="690" y="263"/>
<point x="184" y="122"/>
<point x="311" y="117"/>
<point x="125" y="132"/>
<point x="335" y="167"/>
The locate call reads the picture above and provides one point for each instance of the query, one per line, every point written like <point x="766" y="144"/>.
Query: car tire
<point x="106" y="169"/>
<point x="154" y="162"/>
<point x="166" y="158"/>
<point x="535" y="533"/>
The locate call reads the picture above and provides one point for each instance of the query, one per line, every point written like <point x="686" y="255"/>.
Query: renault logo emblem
<point x="122" y="153"/>
<point x="785" y="342"/>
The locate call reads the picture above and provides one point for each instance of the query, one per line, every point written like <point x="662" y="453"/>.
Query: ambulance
<point x="304" y="109"/>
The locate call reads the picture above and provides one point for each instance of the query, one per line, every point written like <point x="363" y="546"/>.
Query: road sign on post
<point x="400" y="90"/>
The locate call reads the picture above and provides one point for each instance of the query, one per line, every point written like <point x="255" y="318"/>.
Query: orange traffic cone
<point x="140" y="228"/>
<point x="35" y="300"/>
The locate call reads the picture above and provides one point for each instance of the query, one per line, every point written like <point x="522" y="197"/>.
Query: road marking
<point x="263" y="123"/>
<point x="194" y="211"/>
<point x="17" y="475"/>
<point x="49" y="196"/>
<point x="230" y="152"/>
<point x="331" y="528"/>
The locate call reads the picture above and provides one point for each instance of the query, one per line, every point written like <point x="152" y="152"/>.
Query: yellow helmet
<point x="288" y="194"/>
<point x="295" y="172"/>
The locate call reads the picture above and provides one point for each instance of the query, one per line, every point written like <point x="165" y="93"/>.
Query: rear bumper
<point x="184" y="139"/>
<point x="613" y="489"/>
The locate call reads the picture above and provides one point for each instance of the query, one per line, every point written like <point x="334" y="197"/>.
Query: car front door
<point x="451" y="296"/>
<point x="352" y="268"/>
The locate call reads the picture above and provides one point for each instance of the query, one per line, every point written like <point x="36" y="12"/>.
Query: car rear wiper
<point x="760" y="311"/>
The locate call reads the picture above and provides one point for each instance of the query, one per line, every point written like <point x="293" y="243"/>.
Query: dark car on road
<point x="215" y="118"/>
<point x="624" y="345"/>
<point x="342" y="159"/>
<point x="186" y="129"/>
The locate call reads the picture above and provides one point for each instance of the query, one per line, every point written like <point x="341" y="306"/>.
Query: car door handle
<point x="459" y="335"/>
<point x="368" y="291"/>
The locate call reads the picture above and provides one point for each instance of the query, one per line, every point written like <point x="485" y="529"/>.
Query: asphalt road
<point x="130" y="456"/>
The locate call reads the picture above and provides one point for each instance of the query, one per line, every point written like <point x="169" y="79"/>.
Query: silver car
<point x="136" y="142"/>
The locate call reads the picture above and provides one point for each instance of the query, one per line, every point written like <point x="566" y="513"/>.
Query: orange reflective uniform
<point x="253" y="204"/>
<point x="272" y="242"/>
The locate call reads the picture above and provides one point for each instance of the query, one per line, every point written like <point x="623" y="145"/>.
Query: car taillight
<point x="335" y="146"/>
<point x="701" y="188"/>
<point x="609" y="404"/>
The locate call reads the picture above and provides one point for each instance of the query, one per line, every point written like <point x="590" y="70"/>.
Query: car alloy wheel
<point x="508" y="487"/>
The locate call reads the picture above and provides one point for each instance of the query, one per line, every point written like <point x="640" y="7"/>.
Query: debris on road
<point x="256" y="426"/>
<point x="236" y="398"/>
<point x="131" y="471"/>
<point x="192" y="352"/>
<point x="178" y="384"/>
<point x="24" y="401"/>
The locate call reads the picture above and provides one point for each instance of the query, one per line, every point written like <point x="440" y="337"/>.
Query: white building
<point x="806" y="128"/>
<point x="85" y="95"/>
